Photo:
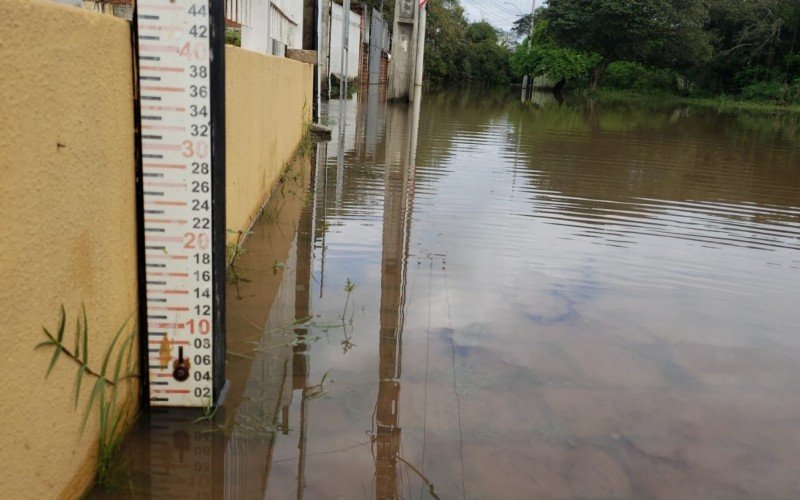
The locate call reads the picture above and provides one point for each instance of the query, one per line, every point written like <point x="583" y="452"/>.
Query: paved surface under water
<point x="575" y="300"/>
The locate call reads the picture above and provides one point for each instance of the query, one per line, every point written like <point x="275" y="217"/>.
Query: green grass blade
<point x="111" y="348"/>
<point x="85" y="335"/>
<point x="45" y="343"/>
<point x="58" y="339"/>
<point x="53" y="360"/>
<point x="49" y="335"/>
<point x="99" y="387"/>
<point x="81" y="372"/>
<point x="115" y="390"/>
<point x="62" y="326"/>
<point x="77" y="351"/>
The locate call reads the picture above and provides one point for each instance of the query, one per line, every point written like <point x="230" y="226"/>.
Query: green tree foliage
<point x="459" y="52"/>
<point x="755" y="42"/>
<point x="702" y="47"/>
<point x="746" y="47"/>
<point x="522" y="26"/>
<point x="540" y="55"/>
<point x="659" y="32"/>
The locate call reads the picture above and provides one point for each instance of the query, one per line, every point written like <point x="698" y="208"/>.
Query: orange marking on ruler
<point x="178" y="342"/>
<point x="168" y="292"/>
<point x="175" y="203"/>
<point x="153" y="6"/>
<point x="176" y="257"/>
<point x="152" y="47"/>
<point x="167" y="309"/>
<point x="164" y="108"/>
<point x="180" y="275"/>
<point x="165" y="184"/>
<point x="154" y="27"/>
<point x="165" y="165"/>
<point x="163" y="89"/>
<point x="166" y="221"/>
<point x="162" y="68"/>
<point x="177" y="326"/>
<point x="152" y="146"/>
<point x="163" y="238"/>
<point x="163" y="127"/>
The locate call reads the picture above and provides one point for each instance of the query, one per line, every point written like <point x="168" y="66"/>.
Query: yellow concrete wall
<point x="67" y="228"/>
<point x="268" y="104"/>
<point x="67" y="213"/>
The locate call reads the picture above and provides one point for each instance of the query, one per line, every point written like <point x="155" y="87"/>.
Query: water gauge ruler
<point x="180" y="53"/>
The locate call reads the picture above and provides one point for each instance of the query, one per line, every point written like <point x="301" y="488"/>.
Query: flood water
<point x="546" y="300"/>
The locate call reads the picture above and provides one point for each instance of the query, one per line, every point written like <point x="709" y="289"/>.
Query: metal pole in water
<point x="345" y="49"/>
<point x="530" y="40"/>
<point x="423" y="14"/>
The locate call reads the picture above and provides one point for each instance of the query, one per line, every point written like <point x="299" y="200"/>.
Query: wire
<point x="497" y="19"/>
<point x="498" y="16"/>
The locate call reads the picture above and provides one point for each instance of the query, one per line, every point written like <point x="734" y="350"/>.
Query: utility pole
<point x="420" y="56"/>
<point x="405" y="33"/>
<point x="530" y="40"/>
<point x="345" y="49"/>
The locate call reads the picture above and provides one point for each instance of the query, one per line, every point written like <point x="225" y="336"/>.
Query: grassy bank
<point x="720" y="103"/>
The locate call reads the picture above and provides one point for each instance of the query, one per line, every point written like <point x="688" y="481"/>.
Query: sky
<point x="500" y="13"/>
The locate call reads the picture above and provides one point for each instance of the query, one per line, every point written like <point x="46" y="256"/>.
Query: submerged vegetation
<point x="113" y="415"/>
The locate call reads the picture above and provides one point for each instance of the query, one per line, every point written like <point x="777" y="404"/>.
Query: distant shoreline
<point x="721" y="103"/>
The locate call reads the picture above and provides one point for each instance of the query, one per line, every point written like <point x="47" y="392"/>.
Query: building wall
<point x="255" y="35"/>
<point x="67" y="228"/>
<point x="337" y="21"/>
<point x="272" y="21"/>
<point x="268" y="106"/>
<point x="68" y="212"/>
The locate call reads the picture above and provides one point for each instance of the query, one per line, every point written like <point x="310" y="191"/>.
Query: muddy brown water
<point x="551" y="300"/>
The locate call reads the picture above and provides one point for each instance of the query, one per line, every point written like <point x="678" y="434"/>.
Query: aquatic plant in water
<point x="348" y="344"/>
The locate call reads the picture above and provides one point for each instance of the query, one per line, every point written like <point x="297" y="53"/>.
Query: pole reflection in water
<point x="397" y="202"/>
<point x="281" y="368"/>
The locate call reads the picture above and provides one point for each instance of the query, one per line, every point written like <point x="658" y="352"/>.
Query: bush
<point x="658" y="79"/>
<point x="623" y="74"/>
<point x="634" y="76"/>
<point x="793" y="65"/>
<point x="776" y="92"/>
<point x="233" y="37"/>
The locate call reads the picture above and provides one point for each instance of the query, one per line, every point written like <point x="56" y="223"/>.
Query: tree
<point x="522" y="26"/>
<point x="754" y="41"/>
<point x="539" y="55"/>
<point x="457" y="51"/>
<point x="659" y="32"/>
<point x="444" y="37"/>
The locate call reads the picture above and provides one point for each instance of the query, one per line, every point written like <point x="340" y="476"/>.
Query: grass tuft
<point x="112" y="419"/>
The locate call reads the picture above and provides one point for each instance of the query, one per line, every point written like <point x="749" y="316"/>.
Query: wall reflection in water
<point x="280" y="371"/>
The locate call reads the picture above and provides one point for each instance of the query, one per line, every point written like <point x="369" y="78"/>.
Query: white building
<point x="268" y="26"/>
